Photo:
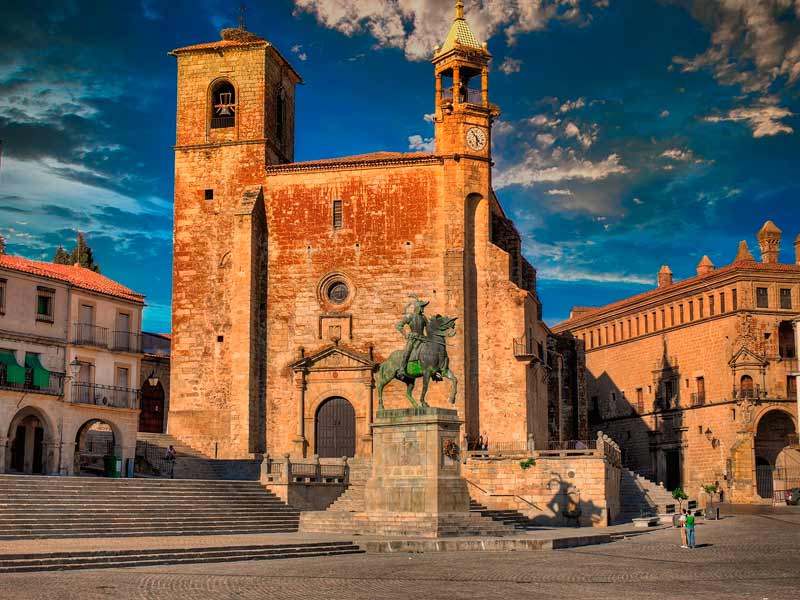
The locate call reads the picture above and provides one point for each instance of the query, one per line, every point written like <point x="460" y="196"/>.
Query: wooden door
<point x="336" y="429"/>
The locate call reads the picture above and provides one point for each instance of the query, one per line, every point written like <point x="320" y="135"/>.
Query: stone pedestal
<point x="415" y="486"/>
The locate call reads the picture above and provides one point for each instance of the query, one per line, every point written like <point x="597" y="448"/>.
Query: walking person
<point x="690" y="536"/>
<point x="682" y="525"/>
<point x="170" y="457"/>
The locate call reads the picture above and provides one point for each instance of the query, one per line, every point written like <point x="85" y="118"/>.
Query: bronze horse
<point x="429" y="361"/>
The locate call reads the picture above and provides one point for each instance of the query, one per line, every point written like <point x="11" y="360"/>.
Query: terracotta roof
<point x="71" y="274"/>
<point x="373" y="157"/>
<point x="221" y="44"/>
<point x="736" y="266"/>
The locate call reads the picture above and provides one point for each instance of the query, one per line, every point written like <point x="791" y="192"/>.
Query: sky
<point x="634" y="133"/>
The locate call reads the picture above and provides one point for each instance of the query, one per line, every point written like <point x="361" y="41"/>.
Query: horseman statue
<point x="424" y="355"/>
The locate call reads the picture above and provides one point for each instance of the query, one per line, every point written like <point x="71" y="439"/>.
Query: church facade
<point x="290" y="277"/>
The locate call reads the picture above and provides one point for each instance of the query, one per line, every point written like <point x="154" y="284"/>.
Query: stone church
<point x="290" y="277"/>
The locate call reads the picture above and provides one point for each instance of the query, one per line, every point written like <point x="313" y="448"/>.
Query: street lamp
<point x="74" y="368"/>
<point x="152" y="379"/>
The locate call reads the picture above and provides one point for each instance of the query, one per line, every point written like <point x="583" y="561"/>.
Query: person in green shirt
<point x="690" y="538"/>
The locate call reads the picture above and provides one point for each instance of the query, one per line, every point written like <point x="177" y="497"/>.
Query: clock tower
<point x="464" y="115"/>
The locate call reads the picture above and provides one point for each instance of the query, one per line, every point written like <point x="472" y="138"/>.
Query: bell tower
<point x="464" y="115"/>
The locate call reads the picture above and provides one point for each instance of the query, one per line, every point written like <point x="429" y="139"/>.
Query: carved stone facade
<point x="289" y="277"/>
<point x="682" y="376"/>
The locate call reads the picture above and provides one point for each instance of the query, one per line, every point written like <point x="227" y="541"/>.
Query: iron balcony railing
<point x="468" y="95"/>
<point x="749" y="392"/>
<point x="84" y="334"/>
<point x="698" y="399"/>
<point x="54" y="388"/>
<point x="524" y="348"/>
<point x="127" y="341"/>
<point x="105" y="395"/>
<point x="223" y="122"/>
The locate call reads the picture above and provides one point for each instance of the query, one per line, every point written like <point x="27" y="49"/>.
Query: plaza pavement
<point x="753" y="556"/>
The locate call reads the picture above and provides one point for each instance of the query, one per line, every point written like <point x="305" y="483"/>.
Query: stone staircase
<point x="641" y="496"/>
<point x="510" y="518"/>
<point x="115" y="559"/>
<point x="190" y="463"/>
<point x="352" y="500"/>
<point x="75" y="507"/>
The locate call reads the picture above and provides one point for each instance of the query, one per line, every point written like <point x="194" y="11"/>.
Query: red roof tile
<point x="737" y="266"/>
<point x="72" y="274"/>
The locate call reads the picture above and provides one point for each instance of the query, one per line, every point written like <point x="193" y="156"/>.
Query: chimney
<point x="664" y="277"/>
<point x="743" y="253"/>
<point x="769" y="241"/>
<point x="705" y="266"/>
<point x="797" y="249"/>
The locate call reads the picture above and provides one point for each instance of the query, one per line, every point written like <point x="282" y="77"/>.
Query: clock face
<point x="476" y="138"/>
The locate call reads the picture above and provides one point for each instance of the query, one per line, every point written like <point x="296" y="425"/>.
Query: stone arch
<point x="94" y="439"/>
<point x="771" y="431"/>
<point x="223" y="103"/>
<point x="29" y="451"/>
<point x="335" y="428"/>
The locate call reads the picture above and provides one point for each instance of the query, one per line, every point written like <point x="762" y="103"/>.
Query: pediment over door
<point x="746" y="358"/>
<point x="335" y="358"/>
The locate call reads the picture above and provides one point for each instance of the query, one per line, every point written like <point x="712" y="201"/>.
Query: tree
<point x="679" y="495"/>
<point x="62" y="256"/>
<point x="81" y="255"/>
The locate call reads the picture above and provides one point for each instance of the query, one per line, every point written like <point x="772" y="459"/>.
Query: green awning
<point x="41" y="376"/>
<point x="14" y="373"/>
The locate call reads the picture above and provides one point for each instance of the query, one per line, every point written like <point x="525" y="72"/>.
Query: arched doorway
<point x="151" y="417"/>
<point x="772" y="435"/>
<point x="94" y="440"/>
<point x="26" y="441"/>
<point x="335" y="430"/>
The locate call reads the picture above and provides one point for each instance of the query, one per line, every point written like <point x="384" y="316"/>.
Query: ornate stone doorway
<point x="151" y="419"/>
<point x="335" y="431"/>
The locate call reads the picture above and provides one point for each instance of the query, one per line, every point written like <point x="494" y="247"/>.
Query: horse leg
<point x="409" y="394"/>
<point x="426" y="377"/>
<point x="448" y="374"/>
<point x="381" y="384"/>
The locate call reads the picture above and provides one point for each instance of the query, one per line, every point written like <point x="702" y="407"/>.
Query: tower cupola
<point x="463" y="112"/>
<point x="769" y="242"/>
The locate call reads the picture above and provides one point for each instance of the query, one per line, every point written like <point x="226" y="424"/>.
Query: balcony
<point x="102" y="337"/>
<point x="524" y="348"/>
<point x="749" y="393"/>
<point x="126" y="341"/>
<point x="54" y="388"/>
<point x="468" y="95"/>
<point x="84" y="334"/>
<point x="105" y="395"/>
<point x="698" y="399"/>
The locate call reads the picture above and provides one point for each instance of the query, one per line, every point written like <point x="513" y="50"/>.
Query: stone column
<point x="485" y="85"/>
<point x="456" y="85"/>
<point x="366" y="439"/>
<point x="300" y="393"/>
<point x="438" y="92"/>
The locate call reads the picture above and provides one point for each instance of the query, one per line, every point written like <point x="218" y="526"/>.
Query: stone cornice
<point x="331" y="165"/>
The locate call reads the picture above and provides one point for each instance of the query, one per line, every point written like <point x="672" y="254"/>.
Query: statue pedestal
<point x="415" y="488"/>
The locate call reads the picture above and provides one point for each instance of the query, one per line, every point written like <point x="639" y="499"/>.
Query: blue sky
<point x="634" y="133"/>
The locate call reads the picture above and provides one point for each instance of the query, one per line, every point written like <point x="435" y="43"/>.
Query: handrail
<point x="529" y="503"/>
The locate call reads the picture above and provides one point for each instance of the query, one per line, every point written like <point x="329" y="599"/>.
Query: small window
<point x="630" y="329"/>
<point x="663" y="319"/>
<point x="45" y="298"/>
<point x="711" y="307"/>
<point x="791" y="387"/>
<point x="209" y="194"/>
<point x="786" y="298"/>
<point x="638" y="330"/>
<point x="735" y="299"/>
<point x="680" y="313"/>
<point x="2" y="296"/>
<point x="691" y="311"/>
<point x="701" y="307"/>
<point x="338" y="292"/>
<point x="762" y="297"/>
<point x="646" y="324"/>
<point x="639" y="400"/>
<point x="223" y="106"/>
<point x="722" y="303"/>
<point x="591" y="339"/>
<point x="280" y="115"/>
<point x="672" y="315"/>
<point x="337" y="214"/>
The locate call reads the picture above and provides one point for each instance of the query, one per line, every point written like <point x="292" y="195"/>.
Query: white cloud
<point x="545" y="140"/>
<point x="564" y="273"/>
<point x="764" y="119"/>
<point x="586" y="139"/>
<point x="559" y="192"/>
<point x="678" y="154"/>
<point x="753" y="42"/>
<point x="417" y="26"/>
<point x="511" y="65"/>
<point x="420" y="144"/>
<point x="544" y="121"/>
<point x="572" y="105"/>
<point x="297" y="50"/>
<point x="429" y="118"/>
<point x="560" y="166"/>
<point x="664" y="114"/>
<point x="638" y="201"/>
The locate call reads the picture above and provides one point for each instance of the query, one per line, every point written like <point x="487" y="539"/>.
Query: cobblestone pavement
<point x="748" y="556"/>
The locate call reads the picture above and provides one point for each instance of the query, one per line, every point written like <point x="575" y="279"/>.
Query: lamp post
<point x="152" y="379"/>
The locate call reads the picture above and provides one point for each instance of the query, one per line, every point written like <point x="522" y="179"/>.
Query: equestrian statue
<point x="424" y="355"/>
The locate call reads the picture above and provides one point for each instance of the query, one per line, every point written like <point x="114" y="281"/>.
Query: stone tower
<point x="769" y="241"/>
<point x="235" y="115"/>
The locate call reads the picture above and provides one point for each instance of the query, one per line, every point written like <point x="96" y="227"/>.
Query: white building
<point x="70" y="359"/>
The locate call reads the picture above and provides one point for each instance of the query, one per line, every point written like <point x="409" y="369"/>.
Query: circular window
<point x="338" y="292"/>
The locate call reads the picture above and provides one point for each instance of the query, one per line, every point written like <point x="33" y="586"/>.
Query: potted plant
<point x="527" y="463"/>
<point x="712" y="490"/>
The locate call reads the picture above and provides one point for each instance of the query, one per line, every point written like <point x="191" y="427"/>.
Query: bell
<point x="224" y="110"/>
